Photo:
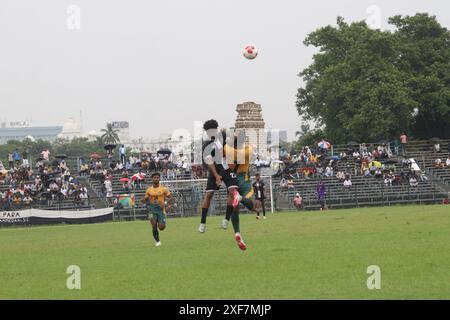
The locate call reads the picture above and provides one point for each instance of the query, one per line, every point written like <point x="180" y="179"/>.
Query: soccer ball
<point x="250" y="52"/>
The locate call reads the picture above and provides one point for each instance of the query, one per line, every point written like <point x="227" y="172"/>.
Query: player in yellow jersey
<point x="156" y="198"/>
<point x="238" y="157"/>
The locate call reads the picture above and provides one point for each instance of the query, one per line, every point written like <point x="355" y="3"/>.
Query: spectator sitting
<point x="340" y="176"/>
<point x="83" y="198"/>
<point x="439" y="164"/>
<point x="290" y="184"/>
<point x="356" y="155"/>
<point x="283" y="184"/>
<point x="372" y="168"/>
<point x="378" y="173"/>
<point x="413" y="181"/>
<point x="347" y="183"/>
<point x="298" y="201"/>
<point x="437" y="147"/>
<point x="27" y="200"/>
<point x="387" y="180"/>
<point x="329" y="171"/>
<point x="447" y="162"/>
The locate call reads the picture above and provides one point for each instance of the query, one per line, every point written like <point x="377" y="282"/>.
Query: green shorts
<point x="158" y="214"/>
<point x="245" y="185"/>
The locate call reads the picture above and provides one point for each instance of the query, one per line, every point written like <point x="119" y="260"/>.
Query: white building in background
<point x="71" y="129"/>
<point x="20" y="130"/>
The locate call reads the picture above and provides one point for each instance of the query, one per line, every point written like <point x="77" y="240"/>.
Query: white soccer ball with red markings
<point x="250" y="52"/>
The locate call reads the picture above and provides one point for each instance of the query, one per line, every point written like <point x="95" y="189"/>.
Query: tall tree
<point x="424" y="47"/>
<point x="110" y="135"/>
<point x="353" y="86"/>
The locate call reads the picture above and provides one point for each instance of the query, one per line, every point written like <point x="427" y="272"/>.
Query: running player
<point x="157" y="198"/>
<point x="218" y="173"/>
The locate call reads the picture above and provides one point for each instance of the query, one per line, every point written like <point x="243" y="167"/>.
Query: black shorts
<point x="228" y="178"/>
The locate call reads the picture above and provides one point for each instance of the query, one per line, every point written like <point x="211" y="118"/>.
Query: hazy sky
<point x="161" y="65"/>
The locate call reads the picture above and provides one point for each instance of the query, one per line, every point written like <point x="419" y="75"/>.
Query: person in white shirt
<point x="108" y="187"/>
<point x="413" y="182"/>
<point x="83" y="197"/>
<point x="122" y="154"/>
<point x="347" y="183"/>
<point x="329" y="171"/>
<point x="447" y="162"/>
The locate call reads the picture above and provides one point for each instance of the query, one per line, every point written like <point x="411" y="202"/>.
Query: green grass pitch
<point x="291" y="255"/>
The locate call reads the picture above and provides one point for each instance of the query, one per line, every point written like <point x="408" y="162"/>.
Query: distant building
<point x="20" y="133"/>
<point x="250" y="120"/>
<point x="124" y="131"/>
<point x="71" y="129"/>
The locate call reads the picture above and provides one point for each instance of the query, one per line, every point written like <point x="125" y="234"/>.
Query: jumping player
<point x="218" y="173"/>
<point x="157" y="198"/>
<point x="238" y="157"/>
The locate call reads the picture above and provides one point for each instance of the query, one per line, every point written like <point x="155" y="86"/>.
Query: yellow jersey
<point x="158" y="196"/>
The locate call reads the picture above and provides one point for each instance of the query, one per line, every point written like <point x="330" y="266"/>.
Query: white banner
<point x="25" y="216"/>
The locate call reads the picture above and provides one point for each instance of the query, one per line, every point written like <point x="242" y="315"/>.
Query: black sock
<point x="155" y="233"/>
<point x="229" y="212"/>
<point x="248" y="203"/>
<point x="235" y="220"/>
<point x="263" y="208"/>
<point x="204" y="214"/>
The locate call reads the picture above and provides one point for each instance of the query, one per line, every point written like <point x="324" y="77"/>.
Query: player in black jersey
<point x="258" y="189"/>
<point x="218" y="173"/>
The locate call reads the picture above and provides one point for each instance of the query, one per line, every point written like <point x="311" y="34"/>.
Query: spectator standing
<point x="403" y="141"/>
<point x="10" y="160"/>
<point x="16" y="157"/>
<point x="122" y="154"/>
<point x="321" y="194"/>
<point x="25" y="161"/>
<point x="45" y="154"/>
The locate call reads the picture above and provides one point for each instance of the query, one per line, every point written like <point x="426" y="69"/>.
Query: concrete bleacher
<point x="368" y="191"/>
<point x="425" y="155"/>
<point x="365" y="191"/>
<point x="41" y="202"/>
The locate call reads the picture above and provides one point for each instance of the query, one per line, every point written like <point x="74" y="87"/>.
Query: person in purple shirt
<point x="321" y="193"/>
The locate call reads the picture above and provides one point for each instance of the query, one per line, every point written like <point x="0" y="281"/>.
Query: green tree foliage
<point x="309" y="139"/>
<point x="424" y="46"/>
<point x="77" y="147"/>
<point x="365" y="84"/>
<point x="110" y="135"/>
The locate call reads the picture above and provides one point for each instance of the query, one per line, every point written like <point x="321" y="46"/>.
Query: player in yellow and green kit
<point x="157" y="198"/>
<point x="238" y="158"/>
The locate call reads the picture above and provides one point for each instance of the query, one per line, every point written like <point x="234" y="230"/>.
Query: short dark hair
<point x="156" y="174"/>
<point x="210" y="124"/>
